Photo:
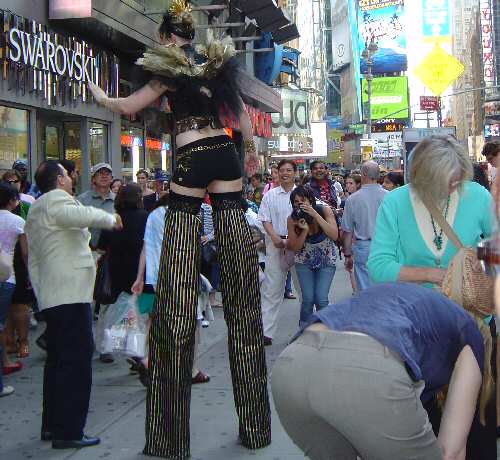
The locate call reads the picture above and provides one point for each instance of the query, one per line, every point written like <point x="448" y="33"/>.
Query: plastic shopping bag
<point x="125" y="329"/>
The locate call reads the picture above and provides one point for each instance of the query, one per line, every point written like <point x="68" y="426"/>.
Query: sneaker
<point x="7" y="390"/>
<point x="205" y="323"/>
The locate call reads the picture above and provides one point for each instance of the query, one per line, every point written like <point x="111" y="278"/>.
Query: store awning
<point x="271" y="18"/>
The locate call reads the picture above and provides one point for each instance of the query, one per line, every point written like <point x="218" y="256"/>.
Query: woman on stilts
<point x="199" y="85"/>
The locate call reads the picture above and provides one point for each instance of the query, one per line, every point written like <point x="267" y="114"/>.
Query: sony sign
<point x="39" y="52"/>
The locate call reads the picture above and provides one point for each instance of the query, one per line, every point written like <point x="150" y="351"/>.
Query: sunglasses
<point x="13" y="181"/>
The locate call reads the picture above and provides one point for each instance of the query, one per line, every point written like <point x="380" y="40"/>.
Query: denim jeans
<point x="6" y="291"/>
<point x="360" y="253"/>
<point x="288" y="284"/>
<point x="315" y="287"/>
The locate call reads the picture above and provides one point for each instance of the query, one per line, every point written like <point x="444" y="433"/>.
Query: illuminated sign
<point x="436" y="17"/>
<point x="294" y="121"/>
<point x="261" y="121"/>
<point x="53" y="65"/>
<point x="389" y="98"/>
<point x="487" y="42"/>
<point x="40" y="52"/>
<point x="387" y="127"/>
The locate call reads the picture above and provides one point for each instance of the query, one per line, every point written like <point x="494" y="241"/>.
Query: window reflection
<point x="14" y="136"/>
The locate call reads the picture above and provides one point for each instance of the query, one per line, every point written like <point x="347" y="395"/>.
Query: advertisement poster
<point x="383" y="20"/>
<point x="436" y="19"/>
<point x="341" y="44"/>
<point x="389" y="98"/>
<point x="294" y="121"/>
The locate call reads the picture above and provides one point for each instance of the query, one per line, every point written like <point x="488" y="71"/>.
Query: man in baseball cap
<point x="21" y="166"/>
<point x="100" y="195"/>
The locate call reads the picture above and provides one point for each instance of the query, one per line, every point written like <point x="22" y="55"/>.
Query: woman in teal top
<point x="410" y="246"/>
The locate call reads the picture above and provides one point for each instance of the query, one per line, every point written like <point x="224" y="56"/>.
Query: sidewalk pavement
<point x="117" y="407"/>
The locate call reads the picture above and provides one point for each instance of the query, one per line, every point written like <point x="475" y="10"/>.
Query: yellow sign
<point x="439" y="70"/>
<point x="367" y="152"/>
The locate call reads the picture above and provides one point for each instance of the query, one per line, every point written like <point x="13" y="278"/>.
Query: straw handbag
<point x="465" y="281"/>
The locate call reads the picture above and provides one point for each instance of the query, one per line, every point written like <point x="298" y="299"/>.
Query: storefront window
<point x="158" y="153"/>
<point x="98" y="143"/>
<point x="14" y="137"/>
<point x="132" y="141"/>
<point x="51" y="142"/>
<point x="72" y="147"/>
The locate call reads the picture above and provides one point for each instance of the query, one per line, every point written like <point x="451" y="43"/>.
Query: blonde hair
<point x="433" y="163"/>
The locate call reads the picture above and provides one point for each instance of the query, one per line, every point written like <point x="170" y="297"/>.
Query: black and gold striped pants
<point x="173" y="329"/>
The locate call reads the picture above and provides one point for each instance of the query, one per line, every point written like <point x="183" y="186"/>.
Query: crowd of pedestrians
<point x="380" y="359"/>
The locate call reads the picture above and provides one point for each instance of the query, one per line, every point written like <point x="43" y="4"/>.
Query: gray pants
<point x="341" y="395"/>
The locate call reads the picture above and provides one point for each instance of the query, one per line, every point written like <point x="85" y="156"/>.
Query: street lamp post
<point x="368" y="53"/>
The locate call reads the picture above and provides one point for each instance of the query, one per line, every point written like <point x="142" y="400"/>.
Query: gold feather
<point x="178" y="7"/>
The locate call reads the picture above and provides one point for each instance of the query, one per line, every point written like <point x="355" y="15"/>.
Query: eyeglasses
<point x="13" y="181"/>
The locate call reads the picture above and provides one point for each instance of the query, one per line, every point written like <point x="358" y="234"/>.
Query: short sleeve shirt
<point x="11" y="227"/>
<point x="276" y="208"/>
<point x="360" y="212"/>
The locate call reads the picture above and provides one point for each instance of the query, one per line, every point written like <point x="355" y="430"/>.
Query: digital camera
<point x="298" y="214"/>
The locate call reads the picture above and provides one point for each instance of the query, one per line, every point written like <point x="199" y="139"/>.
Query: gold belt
<point x="195" y="123"/>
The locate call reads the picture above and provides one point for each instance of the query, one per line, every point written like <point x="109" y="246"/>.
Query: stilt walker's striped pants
<point x="173" y="329"/>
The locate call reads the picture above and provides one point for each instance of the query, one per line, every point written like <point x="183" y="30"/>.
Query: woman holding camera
<point x="312" y="231"/>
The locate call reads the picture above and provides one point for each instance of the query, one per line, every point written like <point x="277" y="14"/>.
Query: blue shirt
<point x="421" y="325"/>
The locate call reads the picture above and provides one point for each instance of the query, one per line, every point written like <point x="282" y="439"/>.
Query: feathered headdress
<point x="178" y="20"/>
<point x="179" y="8"/>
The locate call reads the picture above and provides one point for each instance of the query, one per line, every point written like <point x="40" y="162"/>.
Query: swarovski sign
<point x="39" y="52"/>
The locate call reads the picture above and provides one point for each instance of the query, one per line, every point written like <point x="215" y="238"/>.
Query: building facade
<point x="51" y="48"/>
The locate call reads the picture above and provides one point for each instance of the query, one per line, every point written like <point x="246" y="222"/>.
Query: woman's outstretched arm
<point x="137" y="101"/>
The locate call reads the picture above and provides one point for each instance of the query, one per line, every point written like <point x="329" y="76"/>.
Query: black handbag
<point x="103" y="294"/>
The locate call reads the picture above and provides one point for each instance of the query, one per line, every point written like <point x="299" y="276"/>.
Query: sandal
<point x="17" y="366"/>
<point x="24" y="350"/>
<point x="200" y="378"/>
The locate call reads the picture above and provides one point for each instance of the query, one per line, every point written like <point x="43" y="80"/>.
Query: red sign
<point x="429" y="103"/>
<point x="261" y="121"/>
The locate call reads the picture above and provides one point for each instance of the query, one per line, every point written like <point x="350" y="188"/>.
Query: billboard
<point x="341" y="31"/>
<point x="294" y="121"/>
<point x="383" y="20"/>
<point x="487" y="40"/>
<point x="436" y="19"/>
<point x="389" y="98"/>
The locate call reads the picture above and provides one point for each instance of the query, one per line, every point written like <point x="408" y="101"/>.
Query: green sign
<point x="389" y="98"/>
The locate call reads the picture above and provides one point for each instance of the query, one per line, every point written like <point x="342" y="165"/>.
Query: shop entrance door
<point x="59" y="138"/>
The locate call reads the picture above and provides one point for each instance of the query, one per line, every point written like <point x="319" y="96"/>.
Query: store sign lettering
<point x="487" y="43"/>
<point x="42" y="54"/>
<point x="261" y="121"/>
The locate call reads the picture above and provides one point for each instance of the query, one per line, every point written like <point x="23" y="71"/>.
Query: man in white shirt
<point x="273" y="213"/>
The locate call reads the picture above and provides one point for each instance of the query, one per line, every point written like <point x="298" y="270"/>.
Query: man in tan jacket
<point x="62" y="272"/>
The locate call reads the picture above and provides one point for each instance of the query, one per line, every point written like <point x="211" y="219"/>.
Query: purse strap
<point x="439" y="218"/>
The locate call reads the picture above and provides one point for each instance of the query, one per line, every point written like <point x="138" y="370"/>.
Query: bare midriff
<point x="320" y="327"/>
<point x="195" y="135"/>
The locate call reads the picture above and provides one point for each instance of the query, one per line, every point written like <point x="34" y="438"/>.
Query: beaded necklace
<point x="438" y="237"/>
